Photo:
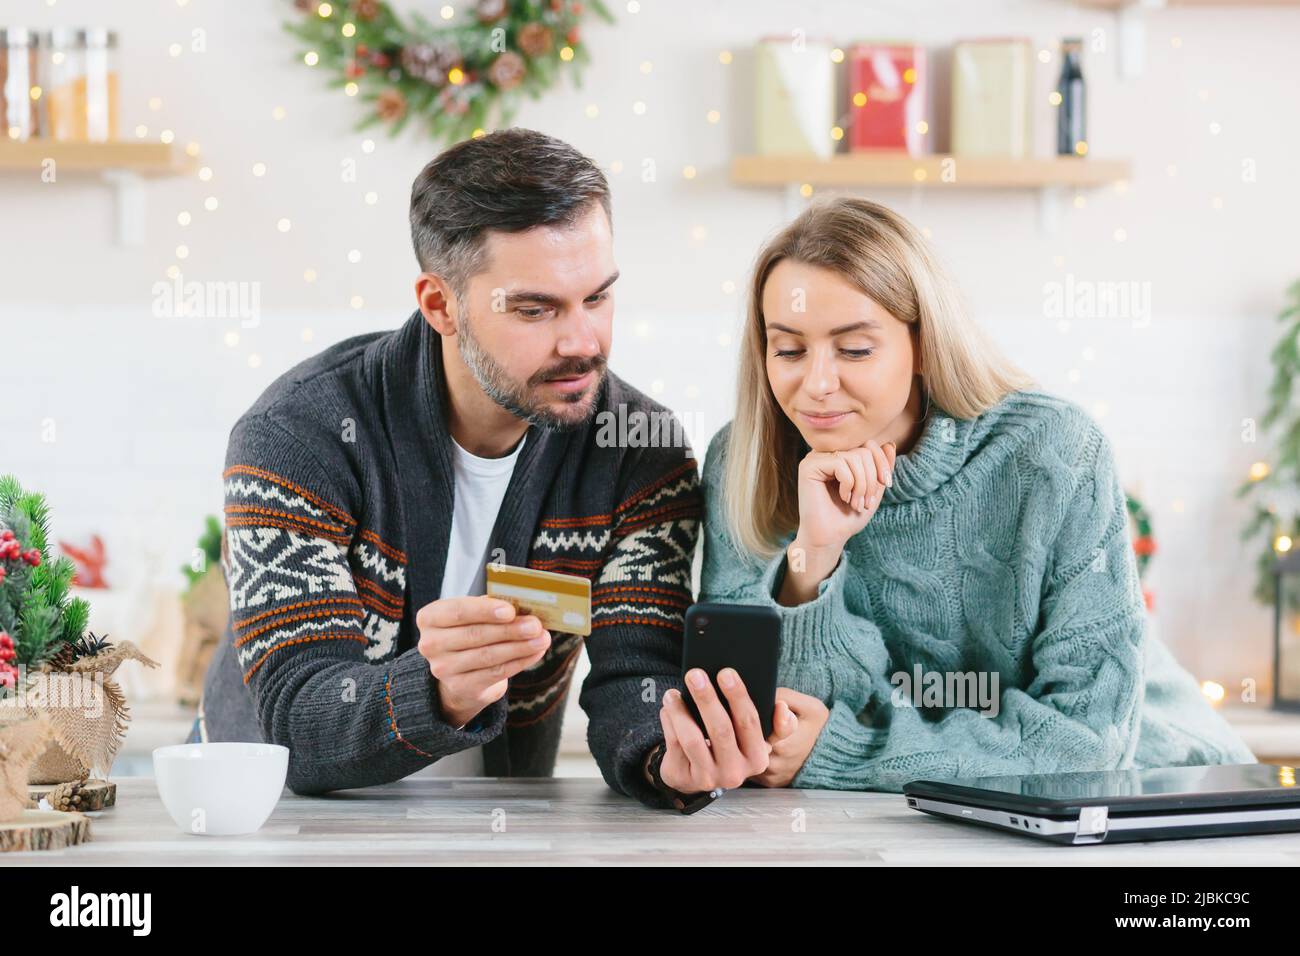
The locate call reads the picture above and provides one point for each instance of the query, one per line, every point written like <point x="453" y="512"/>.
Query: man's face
<point x="535" y="324"/>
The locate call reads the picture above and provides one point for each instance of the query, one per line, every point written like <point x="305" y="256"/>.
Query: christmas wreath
<point x="1144" y="543"/>
<point x="461" y="76"/>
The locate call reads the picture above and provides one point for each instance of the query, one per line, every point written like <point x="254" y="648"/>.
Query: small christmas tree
<point x="209" y="545"/>
<point x="38" y="619"/>
<point x="1277" y="484"/>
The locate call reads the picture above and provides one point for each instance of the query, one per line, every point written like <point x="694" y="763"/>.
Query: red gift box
<point x="887" y="102"/>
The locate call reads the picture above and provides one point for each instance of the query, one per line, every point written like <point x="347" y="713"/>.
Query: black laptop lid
<point x="1164" y="788"/>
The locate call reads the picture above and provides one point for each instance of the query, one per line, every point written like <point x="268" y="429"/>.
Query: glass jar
<point x="101" y="85"/>
<point x="65" y="94"/>
<point x="83" y="94"/>
<point x="18" y="83"/>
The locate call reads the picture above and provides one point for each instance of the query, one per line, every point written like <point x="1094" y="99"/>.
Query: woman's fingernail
<point x="872" y="502"/>
<point x="889" y="480"/>
<point x="696" y="679"/>
<point x="504" y="611"/>
<point x="727" y="677"/>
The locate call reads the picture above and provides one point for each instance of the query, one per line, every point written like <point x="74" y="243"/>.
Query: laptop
<point x="1120" y="806"/>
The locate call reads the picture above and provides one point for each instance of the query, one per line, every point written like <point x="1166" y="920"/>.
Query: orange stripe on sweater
<point x="288" y="526"/>
<point x="392" y="717"/>
<point x="303" y="640"/>
<point x="271" y="476"/>
<point x="337" y="529"/>
<point x="305" y="616"/>
<point x="391" y="552"/>
<point x="293" y="607"/>
<point x="684" y="468"/>
<point x="365" y="584"/>
<point x="606" y="622"/>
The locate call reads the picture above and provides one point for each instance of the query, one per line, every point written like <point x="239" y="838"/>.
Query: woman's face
<point x="840" y="366"/>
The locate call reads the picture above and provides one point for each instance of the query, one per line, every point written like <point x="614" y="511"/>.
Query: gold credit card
<point x="562" y="602"/>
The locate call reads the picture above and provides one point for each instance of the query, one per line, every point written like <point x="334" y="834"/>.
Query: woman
<point x="913" y="506"/>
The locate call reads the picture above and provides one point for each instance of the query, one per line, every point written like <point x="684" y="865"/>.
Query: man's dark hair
<point x="510" y="180"/>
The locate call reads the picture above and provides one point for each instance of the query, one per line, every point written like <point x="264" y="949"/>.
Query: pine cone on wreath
<point x="430" y="61"/>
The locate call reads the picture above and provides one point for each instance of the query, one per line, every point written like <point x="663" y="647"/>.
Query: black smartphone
<point x="746" y="637"/>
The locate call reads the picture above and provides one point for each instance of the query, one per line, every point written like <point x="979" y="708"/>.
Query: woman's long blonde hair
<point x="887" y="259"/>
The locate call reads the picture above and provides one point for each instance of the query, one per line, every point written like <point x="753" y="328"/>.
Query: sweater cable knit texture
<point x="1002" y="549"/>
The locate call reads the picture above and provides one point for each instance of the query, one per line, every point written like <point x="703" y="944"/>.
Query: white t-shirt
<point x="480" y="488"/>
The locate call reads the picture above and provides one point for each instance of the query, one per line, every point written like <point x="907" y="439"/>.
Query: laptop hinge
<point x="1092" y="825"/>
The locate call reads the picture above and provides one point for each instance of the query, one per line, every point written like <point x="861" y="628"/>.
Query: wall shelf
<point x="1156" y="4"/>
<point x="123" y="165"/>
<point x="890" y="169"/>
<point x="1049" y="176"/>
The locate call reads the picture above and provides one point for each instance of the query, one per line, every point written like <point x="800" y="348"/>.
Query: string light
<point x="1259" y="471"/>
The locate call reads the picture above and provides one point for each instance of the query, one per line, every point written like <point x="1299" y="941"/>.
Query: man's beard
<point x="521" y="400"/>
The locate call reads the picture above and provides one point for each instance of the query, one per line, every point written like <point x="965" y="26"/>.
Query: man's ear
<point x="437" y="302"/>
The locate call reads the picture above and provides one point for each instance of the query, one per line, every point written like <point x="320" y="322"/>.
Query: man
<point x="368" y="487"/>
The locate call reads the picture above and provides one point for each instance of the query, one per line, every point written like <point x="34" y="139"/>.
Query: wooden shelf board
<point x="1120" y="4"/>
<point x="888" y="169"/>
<point x="146" y="159"/>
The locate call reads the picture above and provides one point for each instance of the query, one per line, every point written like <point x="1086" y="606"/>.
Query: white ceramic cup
<point x="220" y="789"/>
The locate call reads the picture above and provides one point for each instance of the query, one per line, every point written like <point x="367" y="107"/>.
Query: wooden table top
<point x="558" y="821"/>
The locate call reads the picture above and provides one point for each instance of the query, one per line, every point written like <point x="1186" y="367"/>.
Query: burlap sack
<point x="21" y="741"/>
<point x="206" y="607"/>
<point x="81" y="742"/>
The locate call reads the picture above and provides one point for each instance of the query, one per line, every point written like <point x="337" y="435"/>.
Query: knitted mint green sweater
<point x="1001" y="549"/>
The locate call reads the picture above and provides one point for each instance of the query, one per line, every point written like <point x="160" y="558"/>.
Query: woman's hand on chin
<point x="839" y="493"/>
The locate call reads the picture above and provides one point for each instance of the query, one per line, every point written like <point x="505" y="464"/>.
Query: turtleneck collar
<point x="944" y="446"/>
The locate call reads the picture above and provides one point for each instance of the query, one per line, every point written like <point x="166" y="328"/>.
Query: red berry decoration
<point x="6" y="535"/>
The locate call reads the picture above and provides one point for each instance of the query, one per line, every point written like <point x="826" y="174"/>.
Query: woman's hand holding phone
<point x="793" y="736"/>
<point x="839" y="493"/>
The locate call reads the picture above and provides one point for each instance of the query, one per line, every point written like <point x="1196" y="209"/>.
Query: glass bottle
<point x="1071" y="131"/>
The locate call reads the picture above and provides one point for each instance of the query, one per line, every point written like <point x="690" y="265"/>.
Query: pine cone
<point x="430" y="61"/>
<point x="66" y="797"/>
<point x="62" y="658"/>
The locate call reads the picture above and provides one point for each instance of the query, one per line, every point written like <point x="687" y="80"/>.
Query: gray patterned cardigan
<point x="338" y="505"/>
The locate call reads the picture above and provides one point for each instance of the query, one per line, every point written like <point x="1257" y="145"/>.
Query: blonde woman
<point x="946" y="544"/>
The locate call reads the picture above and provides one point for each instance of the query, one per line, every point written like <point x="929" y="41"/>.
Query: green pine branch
<point x="36" y="609"/>
<point x="1283" y="418"/>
